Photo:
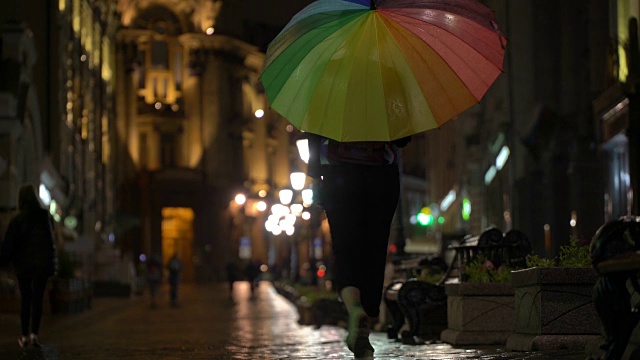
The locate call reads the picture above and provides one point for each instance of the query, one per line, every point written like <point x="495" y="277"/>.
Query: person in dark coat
<point x="154" y="276"/>
<point x="175" y="268"/>
<point x="252" y="273"/>
<point x="29" y="245"/>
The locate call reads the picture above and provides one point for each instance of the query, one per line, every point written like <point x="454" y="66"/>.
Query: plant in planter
<point x="553" y="300"/>
<point x="483" y="270"/>
<point x="481" y="309"/>
<point x="316" y="305"/>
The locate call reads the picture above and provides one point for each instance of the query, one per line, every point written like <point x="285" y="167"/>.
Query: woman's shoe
<point x="23" y="341"/>
<point x="35" y="342"/>
<point x="358" y="336"/>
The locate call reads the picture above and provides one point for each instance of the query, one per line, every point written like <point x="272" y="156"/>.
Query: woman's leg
<point x="384" y="183"/>
<point x="25" y="281"/>
<point x="360" y="203"/>
<point x="39" y="287"/>
<point x="343" y="196"/>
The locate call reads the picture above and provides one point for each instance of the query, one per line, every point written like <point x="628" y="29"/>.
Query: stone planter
<point x="479" y="313"/>
<point x="554" y="309"/>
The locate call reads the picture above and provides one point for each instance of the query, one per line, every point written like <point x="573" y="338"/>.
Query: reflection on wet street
<point x="208" y="324"/>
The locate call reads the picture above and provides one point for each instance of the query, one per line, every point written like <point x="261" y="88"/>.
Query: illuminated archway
<point x="177" y="238"/>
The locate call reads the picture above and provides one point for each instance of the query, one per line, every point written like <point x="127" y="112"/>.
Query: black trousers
<point x="360" y="202"/>
<point x="32" y="284"/>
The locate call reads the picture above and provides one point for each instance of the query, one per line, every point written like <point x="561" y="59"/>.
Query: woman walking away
<point x="29" y="245"/>
<point x="359" y="191"/>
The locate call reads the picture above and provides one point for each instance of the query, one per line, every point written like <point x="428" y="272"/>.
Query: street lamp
<point x="307" y="197"/>
<point x="303" y="149"/>
<point x="296" y="209"/>
<point x="293" y="204"/>
<point x="286" y="195"/>
<point x="240" y="199"/>
<point x="298" y="180"/>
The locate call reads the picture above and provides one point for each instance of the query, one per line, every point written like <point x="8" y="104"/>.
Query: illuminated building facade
<point x="139" y="120"/>
<point x="192" y="131"/>
<point x="57" y="114"/>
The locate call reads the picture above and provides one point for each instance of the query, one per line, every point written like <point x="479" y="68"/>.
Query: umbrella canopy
<point x="357" y="70"/>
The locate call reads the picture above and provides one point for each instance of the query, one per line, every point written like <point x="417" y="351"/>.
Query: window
<point x="168" y="150"/>
<point x="159" y="55"/>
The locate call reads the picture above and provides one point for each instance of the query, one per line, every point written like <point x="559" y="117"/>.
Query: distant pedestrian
<point x="29" y="245"/>
<point x="175" y="268"/>
<point x="233" y="275"/>
<point x="252" y="273"/>
<point x="153" y="277"/>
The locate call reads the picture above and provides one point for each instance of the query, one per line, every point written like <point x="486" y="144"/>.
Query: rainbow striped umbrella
<point x="357" y="70"/>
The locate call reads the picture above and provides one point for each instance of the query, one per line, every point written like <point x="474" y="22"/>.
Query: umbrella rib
<point x="487" y="82"/>
<point x="452" y="50"/>
<point x="380" y="75"/>
<point x="359" y="43"/>
<point x="439" y="24"/>
<point x="470" y="9"/>
<point x="320" y="59"/>
<point x="279" y="68"/>
<point x="450" y="97"/>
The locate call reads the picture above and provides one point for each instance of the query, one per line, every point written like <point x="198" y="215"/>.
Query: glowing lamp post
<point x="303" y="149"/>
<point x="240" y="199"/>
<point x="298" y="180"/>
<point x="286" y="196"/>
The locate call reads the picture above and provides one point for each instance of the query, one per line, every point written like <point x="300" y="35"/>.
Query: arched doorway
<point x="177" y="237"/>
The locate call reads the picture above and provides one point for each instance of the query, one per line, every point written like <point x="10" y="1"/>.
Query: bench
<point x="615" y="254"/>
<point x="413" y="300"/>
<point x="510" y="249"/>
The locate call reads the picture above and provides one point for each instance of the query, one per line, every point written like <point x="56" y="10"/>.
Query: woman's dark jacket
<point x="29" y="243"/>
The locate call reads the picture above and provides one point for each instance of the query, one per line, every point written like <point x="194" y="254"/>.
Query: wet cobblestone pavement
<point x="209" y="325"/>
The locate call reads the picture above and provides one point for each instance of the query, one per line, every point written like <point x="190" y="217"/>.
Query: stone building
<point x="56" y="115"/>
<point x="562" y="110"/>
<point x="141" y="121"/>
<point x="193" y="129"/>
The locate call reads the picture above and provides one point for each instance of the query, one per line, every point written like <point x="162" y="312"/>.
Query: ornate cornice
<point x="250" y="56"/>
<point x="201" y="14"/>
